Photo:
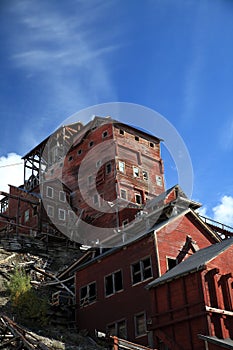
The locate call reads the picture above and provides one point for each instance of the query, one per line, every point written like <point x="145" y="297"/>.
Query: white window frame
<point x="60" y="210"/>
<point x="136" y="171"/>
<point x="139" y="195"/>
<point x="48" y="188"/>
<point x="50" y="207"/>
<point x="159" y="180"/>
<point x="122" y="190"/>
<point x="121" y="166"/>
<point x="27" y="215"/>
<point x="115" y="325"/>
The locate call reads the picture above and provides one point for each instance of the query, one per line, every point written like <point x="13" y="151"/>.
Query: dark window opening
<point x="138" y="198"/>
<point x="141" y="270"/>
<point x="136" y="138"/>
<point x="140" y="325"/>
<point x="152" y="145"/>
<point x="171" y="262"/>
<point x="145" y="175"/>
<point x="105" y="134"/>
<point x="88" y="294"/>
<point x="118" y="329"/>
<point x="91" y="143"/>
<point x="70" y="158"/>
<point x="108" y="168"/>
<point x="79" y="152"/>
<point x="122" y="132"/>
<point x="113" y="283"/>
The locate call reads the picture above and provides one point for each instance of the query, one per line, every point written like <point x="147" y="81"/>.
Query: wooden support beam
<point x="218" y="311"/>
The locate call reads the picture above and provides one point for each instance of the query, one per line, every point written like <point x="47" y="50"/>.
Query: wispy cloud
<point x="223" y="212"/>
<point x="61" y="48"/>
<point x="11" y="171"/>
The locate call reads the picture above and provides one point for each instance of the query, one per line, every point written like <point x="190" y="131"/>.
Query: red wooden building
<point x="191" y="305"/>
<point x="110" y="289"/>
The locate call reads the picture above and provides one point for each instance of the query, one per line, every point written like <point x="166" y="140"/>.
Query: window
<point x="152" y="145"/>
<point x="121" y="166"/>
<point x="71" y="216"/>
<point x="96" y="199"/>
<point x="118" y="328"/>
<point x="79" y="152"/>
<point x="125" y="222"/>
<point x="98" y="163"/>
<point x="89" y="180"/>
<point x="121" y="132"/>
<point x="26" y="215"/>
<point x="113" y="283"/>
<point x="171" y="262"/>
<point x="49" y="192"/>
<point x="70" y="158"/>
<point x="135" y="172"/>
<point x="136" y="138"/>
<point x="88" y="294"/>
<point x="91" y="143"/>
<point x="35" y="211"/>
<point x="159" y="180"/>
<point x="141" y="270"/>
<point x="105" y="134"/>
<point x="62" y="196"/>
<point x="50" y="210"/>
<point x="145" y="175"/>
<point x="138" y="198"/>
<point x="123" y="194"/>
<point x="108" y="168"/>
<point x="140" y="324"/>
<point x="61" y="214"/>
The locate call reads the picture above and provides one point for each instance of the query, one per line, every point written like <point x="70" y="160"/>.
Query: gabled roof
<point x="194" y="263"/>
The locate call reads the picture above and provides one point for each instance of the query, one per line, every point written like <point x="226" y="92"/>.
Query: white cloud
<point x="223" y="212"/>
<point x="202" y="211"/>
<point x="11" y="171"/>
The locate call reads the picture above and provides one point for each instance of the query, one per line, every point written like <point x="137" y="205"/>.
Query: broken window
<point x="118" y="329"/>
<point x="62" y="196"/>
<point x="98" y="163"/>
<point x="141" y="270"/>
<point x="140" y="324"/>
<point x="121" y="132"/>
<point x="171" y="262"/>
<point x="61" y="214"/>
<point x="113" y="283"/>
<point x="145" y="175"/>
<point x="135" y="172"/>
<point x="152" y="144"/>
<point x="88" y="294"/>
<point x="136" y="138"/>
<point x="121" y="166"/>
<point x="91" y="143"/>
<point x="79" y="152"/>
<point x="123" y="194"/>
<point x="105" y="134"/>
<point x="108" y="168"/>
<point x="159" y="180"/>
<point x="49" y="192"/>
<point x="125" y="222"/>
<point x="138" y="198"/>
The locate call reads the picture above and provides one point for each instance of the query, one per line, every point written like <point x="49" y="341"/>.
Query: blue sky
<point x="175" y="57"/>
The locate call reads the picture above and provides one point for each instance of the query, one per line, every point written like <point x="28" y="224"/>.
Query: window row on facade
<point x="113" y="283"/>
<point x="119" y="327"/>
<point x="50" y="194"/>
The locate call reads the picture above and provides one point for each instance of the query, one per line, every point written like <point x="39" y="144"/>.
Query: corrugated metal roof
<point x="226" y="343"/>
<point x="194" y="263"/>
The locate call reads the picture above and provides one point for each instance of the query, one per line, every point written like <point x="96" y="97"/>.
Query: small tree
<point x="26" y="302"/>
